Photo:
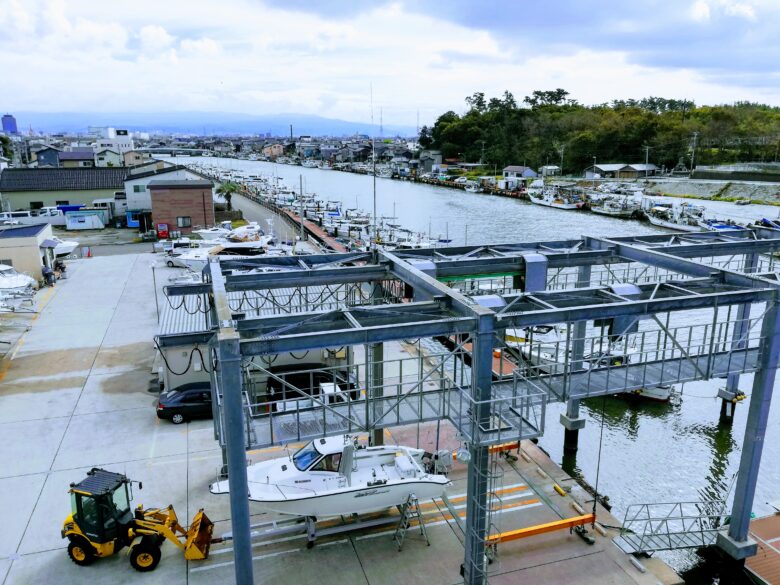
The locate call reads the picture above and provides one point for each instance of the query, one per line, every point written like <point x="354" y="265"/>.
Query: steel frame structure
<point x="429" y="308"/>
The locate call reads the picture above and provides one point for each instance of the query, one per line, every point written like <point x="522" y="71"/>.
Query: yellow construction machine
<point x="101" y="524"/>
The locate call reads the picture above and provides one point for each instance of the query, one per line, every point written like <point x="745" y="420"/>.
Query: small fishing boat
<point x="685" y="217"/>
<point x="337" y="476"/>
<point x="743" y="202"/>
<point x="717" y="225"/>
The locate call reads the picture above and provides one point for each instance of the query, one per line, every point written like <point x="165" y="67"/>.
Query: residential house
<point x="429" y="159"/>
<point x="273" y="151"/>
<point x="108" y="158"/>
<point x="48" y="156"/>
<point x="138" y="198"/>
<point x="28" y="248"/>
<point x="78" y="159"/>
<point x="181" y="205"/>
<point x="27" y="188"/>
<point x="550" y="171"/>
<point x="519" y="172"/>
<point x="134" y="157"/>
<point x="637" y="171"/>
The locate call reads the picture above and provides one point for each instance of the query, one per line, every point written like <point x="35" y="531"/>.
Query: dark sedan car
<point x="185" y="402"/>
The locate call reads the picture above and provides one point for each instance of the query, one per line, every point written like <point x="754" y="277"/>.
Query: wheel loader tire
<point x="81" y="552"/>
<point x="145" y="556"/>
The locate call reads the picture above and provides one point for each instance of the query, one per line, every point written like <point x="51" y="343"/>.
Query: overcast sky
<point x="321" y="56"/>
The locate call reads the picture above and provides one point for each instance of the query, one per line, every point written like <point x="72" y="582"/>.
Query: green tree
<point x="5" y="147"/>
<point x="227" y="190"/>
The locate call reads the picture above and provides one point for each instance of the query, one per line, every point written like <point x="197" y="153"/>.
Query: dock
<point x="765" y="565"/>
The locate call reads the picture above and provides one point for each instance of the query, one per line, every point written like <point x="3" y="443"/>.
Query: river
<point x="674" y="452"/>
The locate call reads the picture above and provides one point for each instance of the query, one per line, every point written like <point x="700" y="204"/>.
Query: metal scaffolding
<point x="632" y="312"/>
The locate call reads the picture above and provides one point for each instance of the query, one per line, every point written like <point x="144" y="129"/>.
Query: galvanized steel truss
<point x="707" y="271"/>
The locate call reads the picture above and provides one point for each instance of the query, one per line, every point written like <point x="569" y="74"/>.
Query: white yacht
<point x="13" y="281"/>
<point x="64" y="247"/>
<point x="336" y="476"/>
<point x="197" y="258"/>
<point x="215" y="232"/>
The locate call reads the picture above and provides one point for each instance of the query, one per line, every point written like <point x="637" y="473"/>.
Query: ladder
<point x="410" y="510"/>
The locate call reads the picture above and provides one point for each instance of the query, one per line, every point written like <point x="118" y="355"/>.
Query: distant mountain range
<point x="204" y="123"/>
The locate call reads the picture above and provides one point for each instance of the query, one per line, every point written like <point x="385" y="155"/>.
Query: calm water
<point x="651" y="452"/>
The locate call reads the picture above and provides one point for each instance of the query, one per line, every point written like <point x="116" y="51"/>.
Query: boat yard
<point x="77" y="394"/>
<point x="425" y="335"/>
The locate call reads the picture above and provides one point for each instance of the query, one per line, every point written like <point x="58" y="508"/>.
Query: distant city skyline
<point x="323" y="58"/>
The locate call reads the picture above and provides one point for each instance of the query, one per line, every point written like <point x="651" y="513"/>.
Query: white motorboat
<point x="659" y="393"/>
<point x="216" y="232"/>
<point x="251" y="232"/>
<point x="64" y="247"/>
<point x="197" y="258"/>
<point x="336" y="476"/>
<point x="13" y="281"/>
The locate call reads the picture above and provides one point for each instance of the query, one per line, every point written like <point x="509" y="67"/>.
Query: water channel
<point x="651" y="452"/>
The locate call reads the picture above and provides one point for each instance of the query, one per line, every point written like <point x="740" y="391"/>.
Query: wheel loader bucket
<point x="198" y="540"/>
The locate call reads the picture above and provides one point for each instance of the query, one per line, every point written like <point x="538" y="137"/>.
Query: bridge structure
<point x="629" y="312"/>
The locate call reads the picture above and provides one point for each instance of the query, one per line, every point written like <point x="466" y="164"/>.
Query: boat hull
<point x="359" y="500"/>
<point x="674" y="226"/>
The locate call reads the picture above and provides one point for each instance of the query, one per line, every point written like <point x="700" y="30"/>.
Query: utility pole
<point x="594" y="172"/>
<point x="647" y="158"/>
<point x="561" y="150"/>
<point x="693" y="152"/>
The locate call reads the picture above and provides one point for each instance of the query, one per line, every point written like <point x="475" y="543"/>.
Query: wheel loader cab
<point x="101" y="506"/>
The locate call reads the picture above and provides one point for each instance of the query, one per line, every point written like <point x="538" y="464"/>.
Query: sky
<point x="329" y="58"/>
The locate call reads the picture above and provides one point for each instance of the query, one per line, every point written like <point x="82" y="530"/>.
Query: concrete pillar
<point x="475" y="569"/>
<point x="572" y="423"/>
<point x="736" y="542"/>
<point x="229" y="375"/>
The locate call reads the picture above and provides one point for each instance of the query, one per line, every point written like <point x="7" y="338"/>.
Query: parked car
<point x="185" y="402"/>
<point x="330" y="385"/>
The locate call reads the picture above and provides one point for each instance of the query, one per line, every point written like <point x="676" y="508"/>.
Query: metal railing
<point x="671" y="526"/>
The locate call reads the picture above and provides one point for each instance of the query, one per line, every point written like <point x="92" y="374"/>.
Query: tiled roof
<point x="77" y="155"/>
<point x="12" y="180"/>
<point x="180" y="184"/>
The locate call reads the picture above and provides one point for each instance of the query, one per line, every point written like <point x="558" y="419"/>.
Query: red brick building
<point x="182" y="205"/>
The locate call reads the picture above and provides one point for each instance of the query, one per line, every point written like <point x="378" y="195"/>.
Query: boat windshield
<point x="304" y="457"/>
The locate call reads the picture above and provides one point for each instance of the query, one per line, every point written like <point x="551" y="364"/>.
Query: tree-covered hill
<point x="549" y="126"/>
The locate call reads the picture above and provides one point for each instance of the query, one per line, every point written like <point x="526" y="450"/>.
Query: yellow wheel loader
<point x="101" y="524"/>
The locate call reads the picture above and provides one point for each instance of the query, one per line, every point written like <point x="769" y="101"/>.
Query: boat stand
<point x="410" y="511"/>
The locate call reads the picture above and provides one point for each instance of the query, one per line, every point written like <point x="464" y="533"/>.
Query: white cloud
<point x="700" y="11"/>
<point x="242" y="57"/>
<point x="155" y="38"/>
<point x="200" y="47"/>
<point x="740" y="9"/>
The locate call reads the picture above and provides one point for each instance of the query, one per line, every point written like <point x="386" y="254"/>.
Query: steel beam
<point x="305" y="278"/>
<point x="755" y="429"/>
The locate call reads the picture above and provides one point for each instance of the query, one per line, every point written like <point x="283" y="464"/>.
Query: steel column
<point x="229" y="355"/>
<point x="475" y="570"/>
<point x="376" y="372"/>
<point x="573" y="423"/>
<point x="755" y="430"/>
<point x="728" y="405"/>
